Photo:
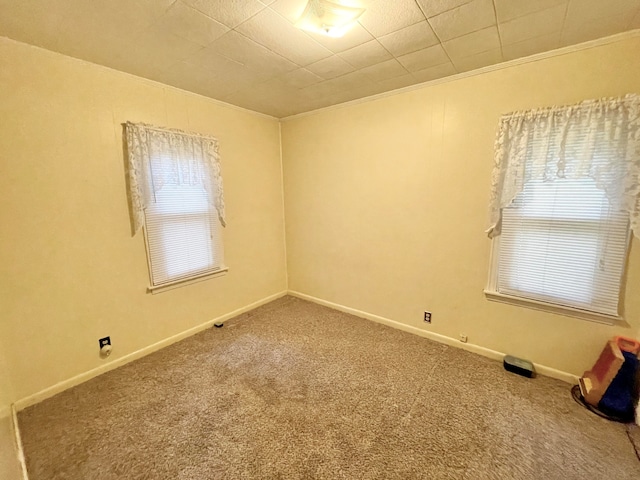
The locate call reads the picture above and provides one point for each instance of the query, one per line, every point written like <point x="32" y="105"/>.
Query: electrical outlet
<point x="463" y="338"/>
<point x="427" y="317"/>
<point x="104" y="341"/>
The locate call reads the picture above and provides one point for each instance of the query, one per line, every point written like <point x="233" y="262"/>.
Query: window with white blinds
<point x="183" y="235"/>
<point x="564" y="201"/>
<point x="562" y="243"/>
<point x="176" y="193"/>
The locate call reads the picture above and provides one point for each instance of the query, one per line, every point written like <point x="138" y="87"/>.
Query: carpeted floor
<point x="294" y="390"/>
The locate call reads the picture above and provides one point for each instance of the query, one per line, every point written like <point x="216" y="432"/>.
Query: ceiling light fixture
<point x="328" y="18"/>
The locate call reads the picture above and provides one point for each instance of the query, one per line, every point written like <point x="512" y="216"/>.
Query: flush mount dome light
<point x="328" y="18"/>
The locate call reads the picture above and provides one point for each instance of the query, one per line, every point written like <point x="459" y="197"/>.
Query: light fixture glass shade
<point x="328" y="18"/>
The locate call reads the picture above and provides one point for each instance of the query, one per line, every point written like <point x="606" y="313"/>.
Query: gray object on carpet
<point x="295" y="390"/>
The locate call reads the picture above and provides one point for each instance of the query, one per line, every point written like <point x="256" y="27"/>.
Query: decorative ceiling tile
<point x="154" y="49"/>
<point x="593" y="10"/>
<point x="396" y="82"/>
<point x="212" y="60"/>
<point x="250" y="100"/>
<point x="366" y="54"/>
<point x="131" y="14"/>
<point x="531" y="46"/>
<point x="584" y="31"/>
<point x="432" y="8"/>
<point x="330" y="67"/>
<point x="190" y="24"/>
<point x="476" y="42"/>
<point x="196" y="78"/>
<point x="349" y="81"/>
<point x="278" y="34"/>
<point x="290" y="9"/>
<point x="409" y="39"/>
<point x="478" y="60"/>
<point x="26" y="22"/>
<point x="245" y="51"/>
<point x="273" y="87"/>
<point x="325" y="94"/>
<point x="425" y="58"/>
<point x="432" y="73"/>
<point x="385" y="70"/>
<point x="510" y="9"/>
<point x="382" y="16"/>
<point x="228" y="12"/>
<point x="300" y="78"/>
<point x="533" y="25"/>
<point x="467" y="18"/>
<point x="203" y="81"/>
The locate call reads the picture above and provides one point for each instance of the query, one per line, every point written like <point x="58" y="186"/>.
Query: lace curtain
<point x="159" y="157"/>
<point x="598" y="139"/>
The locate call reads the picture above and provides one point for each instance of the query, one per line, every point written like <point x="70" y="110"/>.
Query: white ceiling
<point x="248" y="53"/>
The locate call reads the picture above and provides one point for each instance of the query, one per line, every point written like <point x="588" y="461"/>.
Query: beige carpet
<point x="294" y="390"/>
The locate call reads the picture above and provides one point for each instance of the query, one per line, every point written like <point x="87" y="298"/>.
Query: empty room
<point x="319" y="239"/>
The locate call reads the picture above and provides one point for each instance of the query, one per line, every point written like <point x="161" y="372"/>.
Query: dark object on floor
<point x="519" y="366"/>
<point x="218" y="325"/>
<point x="610" y="385"/>
<point x="577" y="396"/>
<point x="595" y="383"/>
<point x="618" y="399"/>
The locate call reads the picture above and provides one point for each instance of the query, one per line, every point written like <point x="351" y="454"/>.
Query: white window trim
<point x="492" y="294"/>
<point x="187" y="281"/>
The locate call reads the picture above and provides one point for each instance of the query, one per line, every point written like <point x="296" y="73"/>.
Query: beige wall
<point x="386" y="204"/>
<point x="71" y="272"/>
<point x="9" y="463"/>
<point x="6" y="388"/>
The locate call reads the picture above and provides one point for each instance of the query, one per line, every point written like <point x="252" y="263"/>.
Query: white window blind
<point x="563" y="243"/>
<point x="183" y="234"/>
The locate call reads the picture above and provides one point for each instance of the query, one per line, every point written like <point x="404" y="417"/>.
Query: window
<point x="561" y="207"/>
<point x="183" y="235"/>
<point x="176" y="194"/>
<point x="562" y="243"/>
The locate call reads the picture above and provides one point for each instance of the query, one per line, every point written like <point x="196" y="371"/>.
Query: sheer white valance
<point x="597" y="139"/>
<point x="159" y="157"/>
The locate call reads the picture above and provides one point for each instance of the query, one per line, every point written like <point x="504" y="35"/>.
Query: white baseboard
<point x="83" y="377"/>
<point x="18" y="443"/>
<point x="486" y="352"/>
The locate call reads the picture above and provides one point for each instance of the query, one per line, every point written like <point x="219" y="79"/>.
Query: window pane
<point x="182" y="234"/>
<point x="562" y="243"/>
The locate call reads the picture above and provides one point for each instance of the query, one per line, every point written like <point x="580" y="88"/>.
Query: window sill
<point x="552" y="308"/>
<point x="187" y="281"/>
